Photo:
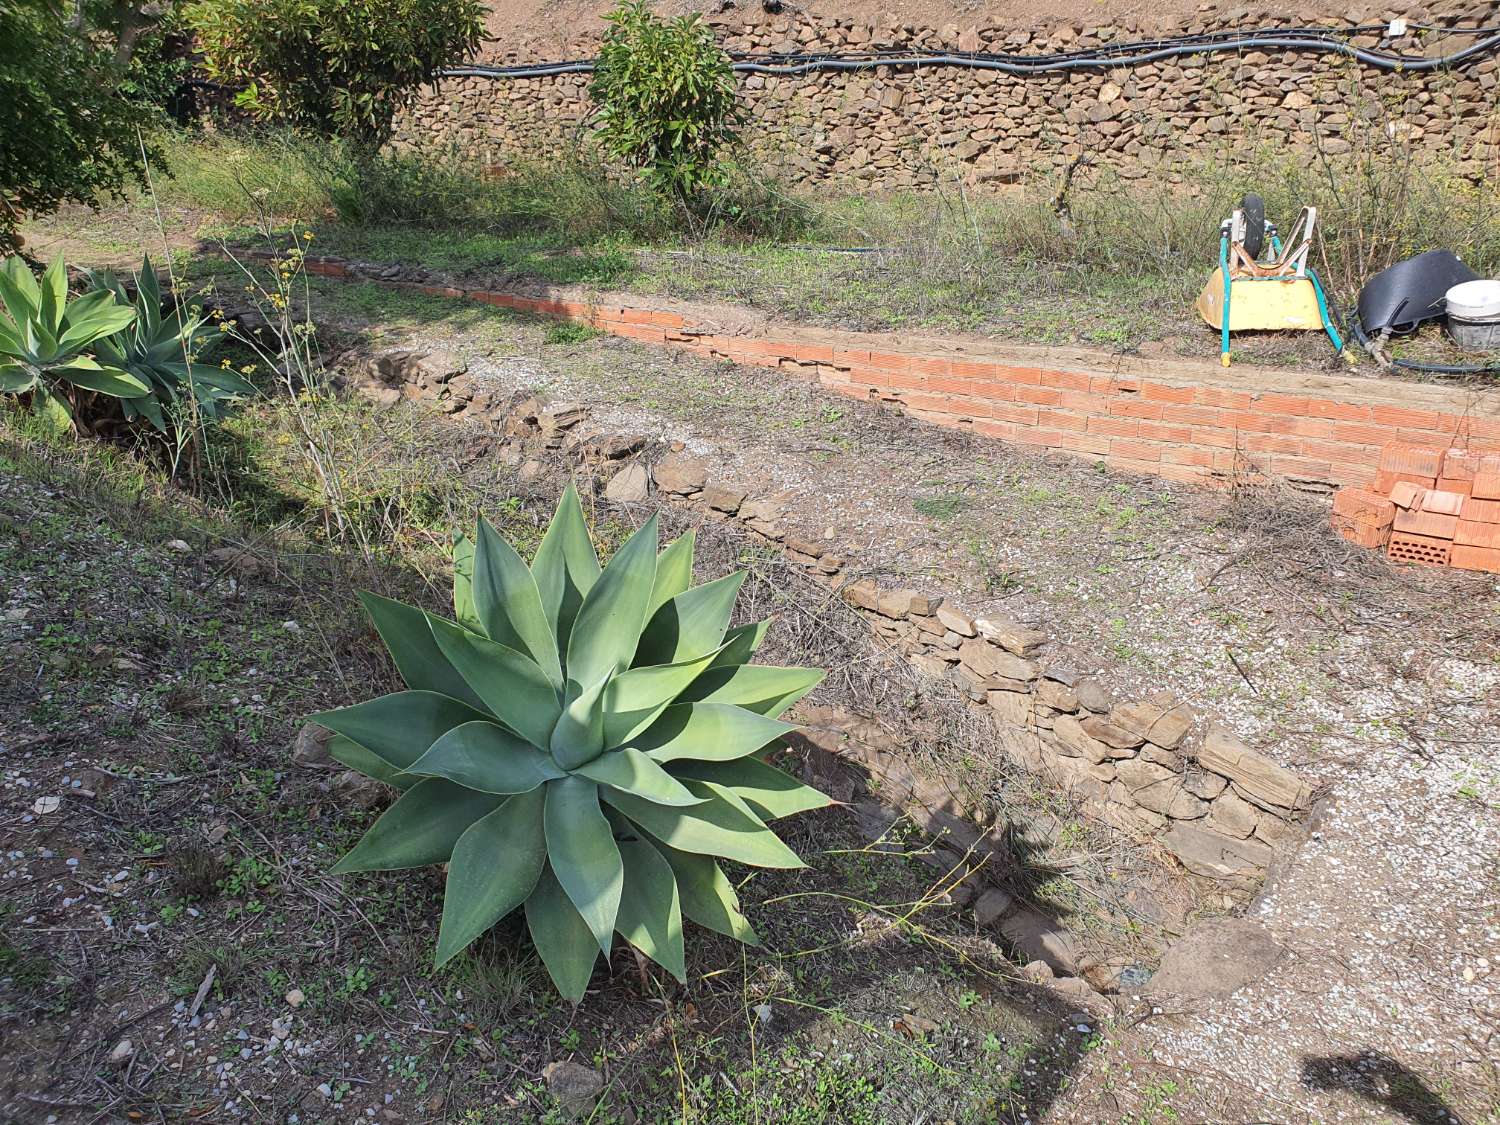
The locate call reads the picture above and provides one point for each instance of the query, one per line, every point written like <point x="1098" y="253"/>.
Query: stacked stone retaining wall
<point x="894" y="127"/>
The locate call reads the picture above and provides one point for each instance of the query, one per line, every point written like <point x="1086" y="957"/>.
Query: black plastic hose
<point x="1318" y="40"/>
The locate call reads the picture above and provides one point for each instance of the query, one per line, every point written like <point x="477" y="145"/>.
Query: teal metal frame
<point x="1312" y="275"/>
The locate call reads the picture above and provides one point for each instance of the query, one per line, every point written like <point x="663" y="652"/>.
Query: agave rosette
<point x="581" y="743"/>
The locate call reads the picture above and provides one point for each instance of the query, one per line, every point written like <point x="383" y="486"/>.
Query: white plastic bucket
<point x="1474" y="314"/>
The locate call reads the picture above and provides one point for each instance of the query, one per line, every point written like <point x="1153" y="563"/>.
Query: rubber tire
<point x="1254" y="208"/>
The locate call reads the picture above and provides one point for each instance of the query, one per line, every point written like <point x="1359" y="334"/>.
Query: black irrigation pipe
<point x="1319" y="40"/>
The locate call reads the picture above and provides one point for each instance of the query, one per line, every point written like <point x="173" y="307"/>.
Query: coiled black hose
<point x="1319" y="40"/>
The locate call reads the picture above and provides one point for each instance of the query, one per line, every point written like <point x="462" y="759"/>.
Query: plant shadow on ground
<point x="1381" y="1081"/>
<point x="168" y="685"/>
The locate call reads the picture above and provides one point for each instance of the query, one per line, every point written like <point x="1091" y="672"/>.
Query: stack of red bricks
<point x="1439" y="507"/>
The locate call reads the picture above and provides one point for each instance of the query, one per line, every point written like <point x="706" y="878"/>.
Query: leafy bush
<point x="45" y="339"/>
<point x="69" y="114"/>
<point x="580" y="743"/>
<point x="161" y="352"/>
<point x="333" y="67"/>
<point x="667" y="101"/>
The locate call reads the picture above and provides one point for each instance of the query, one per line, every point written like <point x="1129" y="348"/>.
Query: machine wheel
<point x="1254" y="208"/>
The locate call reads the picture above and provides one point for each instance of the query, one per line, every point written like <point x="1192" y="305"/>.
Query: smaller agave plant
<point x="45" y="339"/>
<point x="161" y="352"/>
<point x="580" y="744"/>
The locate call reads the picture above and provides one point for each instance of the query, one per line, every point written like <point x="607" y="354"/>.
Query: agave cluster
<point x="580" y="743"/>
<point x="45" y="339"/>
<point x="160" y="351"/>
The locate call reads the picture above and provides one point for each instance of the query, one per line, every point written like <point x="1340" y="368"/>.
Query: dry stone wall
<point x="1150" y="766"/>
<point x="895" y="127"/>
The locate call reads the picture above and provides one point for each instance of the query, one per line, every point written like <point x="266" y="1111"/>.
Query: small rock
<point x="630" y="485"/>
<point x="124" y="1049"/>
<point x="575" y="1086"/>
<point x="726" y="500"/>
<point x="1091" y="694"/>
<point x="680" y="473"/>
<point x="1216" y="958"/>
<point x="992" y="906"/>
<point x="358" y="790"/>
<point x="310" y="747"/>
<point x="44" y="805"/>
<point x="296" y="998"/>
<point x="1009" y="635"/>
<point x="952" y="619"/>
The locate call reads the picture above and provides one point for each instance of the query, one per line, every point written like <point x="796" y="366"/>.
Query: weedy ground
<point x="168" y="682"/>
<point x="1120" y="272"/>
<point x="155" y="693"/>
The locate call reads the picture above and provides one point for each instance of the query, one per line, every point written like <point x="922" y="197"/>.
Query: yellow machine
<point x="1276" y="293"/>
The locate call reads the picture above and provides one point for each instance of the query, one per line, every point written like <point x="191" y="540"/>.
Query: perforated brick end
<point x="1418" y="549"/>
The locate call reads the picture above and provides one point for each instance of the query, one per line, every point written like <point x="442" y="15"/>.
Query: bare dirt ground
<point x="1378" y="683"/>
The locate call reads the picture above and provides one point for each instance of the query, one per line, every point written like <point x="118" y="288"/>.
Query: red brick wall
<point x="1196" y="431"/>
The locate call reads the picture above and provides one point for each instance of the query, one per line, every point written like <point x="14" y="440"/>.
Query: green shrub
<point x="69" y="114"/>
<point x="163" y="352"/>
<point x="666" y="93"/>
<point x="45" y="340"/>
<point x="580" y="743"/>
<point x="332" y="67"/>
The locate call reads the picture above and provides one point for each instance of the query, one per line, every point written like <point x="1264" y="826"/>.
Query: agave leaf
<point x="741" y="643"/>
<point x="92" y="316"/>
<point x="609" y="621"/>
<point x="633" y="772"/>
<point x="420" y="828"/>
<point x="771" y="793"/>
<point x="148" y="291"/>
<point x="674" y="571"/>
<point x="19" y="290"/>
<point x="565" y="568"/>
<point x="582" y="852"/>
<point x="401" y="726"/>
<point x="51" y="409"/>
<point x="409" y="639"/>
<point x="508" y="604"/>
<point x="707" y="896"/>
<point x="86" y="373"/>
<point x="721" y="827"/>
<point x="709" y="731"/>
<point x="561" y="936"/>
<point x="495" y="866"/>
<point x="762" y="688"/>
<point x="463" y="585"/>
<point x="579" y="734"/>
<point x="635" y="698"/>
<point x="367" y="762"/>
<point x="10" y="341"/>
<point x="514" y="689"/>
<point x="650" y="910"/>
<point x="14" y="378"/>
<point x="484" y="756"/>
<point x="54" y="295"/>
<point x="690" y="624"/>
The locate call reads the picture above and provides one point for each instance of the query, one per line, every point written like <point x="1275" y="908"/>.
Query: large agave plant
<point x="580" y="743"/>
<point x="161" y="352"/>
<point x="45" y="339"/>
